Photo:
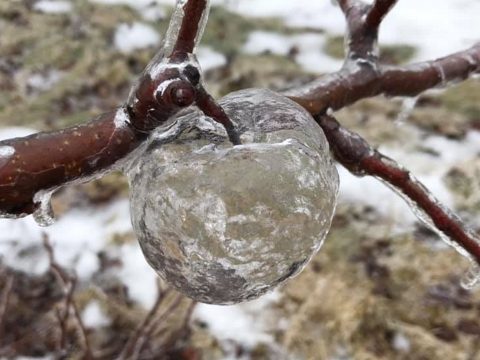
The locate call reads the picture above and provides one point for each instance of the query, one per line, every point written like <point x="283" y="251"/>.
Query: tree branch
<point x="191" y="28"/>
<point x="211" y="108"/>
<point x="343" y="88"/>
<point x="378" y="11"/>
<point x="167" y="86"/>
<point x="363" y="22"/>
<point x="353" y="152"/>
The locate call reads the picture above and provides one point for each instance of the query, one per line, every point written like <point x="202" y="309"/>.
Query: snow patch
<point x="210" y="59"/>
<point x="13" y="132"/>
<point x="401" y="343"/>
<point x="130" y="37"/>
<point x="53" y="7"/>
<point x="93" y="316"/>
<point x="76" y="238"/>
<point x="245" y="324"/>
<point x="309" y="48"/>
<point x="138" y="276"/>
<point x="43" y="82"/>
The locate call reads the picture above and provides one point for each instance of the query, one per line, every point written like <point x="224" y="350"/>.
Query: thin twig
<point x="129" y="347"/>
<point x="184" y="330"/>
<point x="211" y="108"/>
<point x="152" y="326"/>
<point x="82" y="332"/>
<point x="7" y="291"/>
<point x="68" y="283"/>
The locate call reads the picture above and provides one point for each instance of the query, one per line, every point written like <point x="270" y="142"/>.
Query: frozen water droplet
<point x="471" y="279"/>
<point x="225" y="224"/>
<point x="408" y="105"/>
<point x="6" y="152"/>
<point x="44" y="215"/>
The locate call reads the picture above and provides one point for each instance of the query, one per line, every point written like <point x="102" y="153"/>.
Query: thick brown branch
<point x="47" y="160"/>
<point x="361" y="159"/>
<point x="337" y="90"/>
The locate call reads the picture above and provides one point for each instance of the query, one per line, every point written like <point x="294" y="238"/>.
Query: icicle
<point x="44" y="214"/>
<point x="408" y="105"/>
<point x="472" y="278"/>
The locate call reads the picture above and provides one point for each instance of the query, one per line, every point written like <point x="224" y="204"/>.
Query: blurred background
<point x="382" y="287"/>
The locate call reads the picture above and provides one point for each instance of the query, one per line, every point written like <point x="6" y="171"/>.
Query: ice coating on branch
<point x="44" y="215"/>
<point x="174" y="27"/>
<point x="160" y="60"/>
<point x="121" y="118"/>
<point x="176" y="23"/>
<point x="225" y="224"/>
<point x="472" y="278"/>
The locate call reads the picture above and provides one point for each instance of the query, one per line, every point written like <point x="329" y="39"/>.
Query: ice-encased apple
<point x="224" y="223"/>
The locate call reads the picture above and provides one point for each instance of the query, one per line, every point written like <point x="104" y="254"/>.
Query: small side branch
<point x="4" y="300"/>
<point x="211" y="108"/>
<point x="192" y="25"/>
<point x="138" y="337"/>
<point x="337" y="90"/>
<point x="378" y="11"/>
<point x="353" y="152"/>
<point x="363" y="23"/>
<point x="68" y="282"/>
<point x="151" y="323"/>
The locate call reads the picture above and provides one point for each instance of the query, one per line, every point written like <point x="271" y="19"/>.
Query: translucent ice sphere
<point x="225" y="224"/>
